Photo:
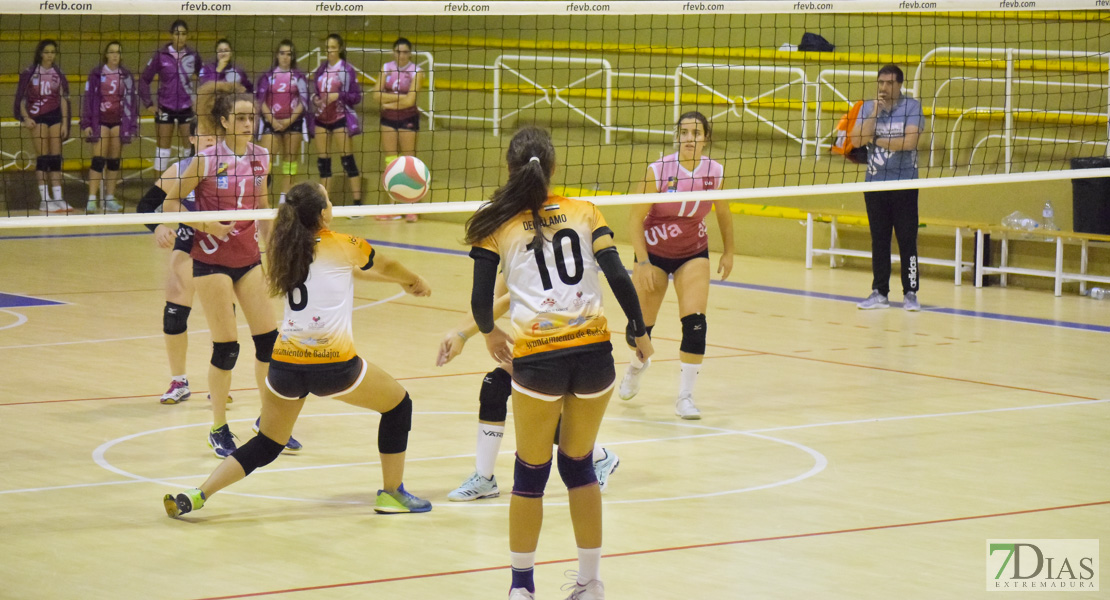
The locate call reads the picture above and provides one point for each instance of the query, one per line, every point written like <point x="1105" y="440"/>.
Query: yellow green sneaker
<point x="400" y="502"/>
<point x="183" y="503"/>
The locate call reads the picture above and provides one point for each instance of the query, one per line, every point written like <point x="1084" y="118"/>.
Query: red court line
<point x="252" y="389"/>
<point x="668" y="549"/>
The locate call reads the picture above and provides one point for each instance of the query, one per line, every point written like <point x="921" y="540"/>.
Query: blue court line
<point x="18" y="301"/>
<point x="959" y="312"/>
<point x="70" y="235"/>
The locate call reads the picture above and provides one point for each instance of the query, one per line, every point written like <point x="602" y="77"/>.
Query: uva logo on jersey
<point x="256" y="167"/>
<point x="708" y="183"/>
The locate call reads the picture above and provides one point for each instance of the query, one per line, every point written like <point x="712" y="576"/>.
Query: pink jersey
<point x="230" y="182"/>
<point x="44" y="94"/>
<point x="284" y="95"/>
<point x="399" y="80"/>
<point x="331" y="81"/>
<point x="677" y="229"/>
<point x="111" y="96"/>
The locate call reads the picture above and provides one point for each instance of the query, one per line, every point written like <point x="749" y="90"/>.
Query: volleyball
<point x="406" y="179"/>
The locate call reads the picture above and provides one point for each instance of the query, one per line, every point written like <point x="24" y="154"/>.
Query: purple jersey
<point x="399" y="80"/>
<point x="44" y="93"/>
<point x="230" y="182"/>
<point x="677" y="229"/>
<point x="175" y="70"/>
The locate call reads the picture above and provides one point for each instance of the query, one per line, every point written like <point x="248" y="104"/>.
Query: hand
<point x="220" y="230"/>
<point x="643" y="278"/>
<point x="450" y="347"/>
<point x="725" y="266"/>
<point x="500" y="345"/>
<point x="87" y="132"/>
<point x="419" y="287"/>
<point x="164" y="236"/>
<point x="332" y="97"/>
<point x="644" y="349"/>
<point x="29" y="123"/>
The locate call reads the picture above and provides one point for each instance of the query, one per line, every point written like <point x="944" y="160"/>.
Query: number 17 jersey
<point x="555" y="294"/>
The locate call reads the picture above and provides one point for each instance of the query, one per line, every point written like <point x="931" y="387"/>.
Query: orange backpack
<point x="842" y="145"/>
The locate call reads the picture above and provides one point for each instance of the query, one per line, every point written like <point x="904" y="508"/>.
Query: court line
<point x="793" y="536"/>
<point x="732" y="284"/>
<point x="19" y="319"/>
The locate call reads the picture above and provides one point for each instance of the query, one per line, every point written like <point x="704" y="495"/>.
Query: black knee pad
<point x="631" y="339"/>
<point x="224" y="355"/>
<point x="114" y="164"/>
<point x="393" y="429"/>
<point x="54" y="162"/>
<point x="264" y="345"/>
<point x="693" y="334"/>
<point x="175" y="318"/>
<point x="324" y="166"/>
<point x="529" y="481"/>
<point x="348" y="162"/>
<point x="41" y="163"/>
<point x="259" y="451"/>
<point x="577" y="472"/>
<point x="98" y="163"/>
<point x="493" y="400"/>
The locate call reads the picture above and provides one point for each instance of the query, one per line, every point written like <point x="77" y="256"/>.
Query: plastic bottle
<point x="1048" y="217"/>
<point x="1097" y="293"/>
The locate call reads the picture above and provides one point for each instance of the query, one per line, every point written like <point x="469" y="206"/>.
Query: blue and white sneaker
<point x="222" y="441"/>
<point x="475" y="487"/>
<point x="605" y="467"/>
<point x="291" y="446"/>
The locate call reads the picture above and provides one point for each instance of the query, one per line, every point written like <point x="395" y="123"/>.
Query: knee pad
<point x="529" y="481"/>
<point x="393" y="429"/>
<point x="631" y="339"/>
<point x="53" y="162"/>
<point x="493" y="400"/>
<point x="264" y="345"/>
<point x="693" y="334"/>
<point x="348" y="162"/>
<point x="175" y="318"/>
<point x="114" y="164"/>
<point x="577" y="472"/>
<point x="324" y="166"/>
<point x="98" y="163"/>
<point x="259" y="451"/>
<point x="224" y="355"/>
<point x="289" y="168"/>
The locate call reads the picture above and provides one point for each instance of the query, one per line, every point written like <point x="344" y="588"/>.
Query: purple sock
<point x="522" y="578"/>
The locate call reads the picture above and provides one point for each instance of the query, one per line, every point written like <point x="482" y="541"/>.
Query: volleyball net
<point x="1004" y="91"/>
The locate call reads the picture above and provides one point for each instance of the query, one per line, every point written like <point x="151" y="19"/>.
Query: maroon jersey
<point x="111" y="96"/>
<point x="677" y="229"/>
<point x="230" y="182"/>
<point x="44" y="93"/>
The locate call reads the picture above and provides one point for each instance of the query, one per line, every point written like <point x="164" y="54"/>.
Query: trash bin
<point x="1091" y="197"/>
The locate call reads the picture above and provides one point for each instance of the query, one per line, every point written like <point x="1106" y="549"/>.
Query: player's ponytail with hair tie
<point x="293" y="241"/>
<point x="534" y="159"/>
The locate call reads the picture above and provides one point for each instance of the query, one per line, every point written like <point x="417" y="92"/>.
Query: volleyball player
<point x="175" y="64"/>
<point x="224" y="68"/>
<point x="282" y="94"/>
<point x="42" y="106"/>
<point x="226" y="259"/>
<point x="395" y="92"/>
<point x="552" y="248"/>
<point x="493" y="400"/>
<point x="335" y="121"/>
<point x="109" y="120"/>
<point x="670" y="240"/>
<point x="314" y="269"/>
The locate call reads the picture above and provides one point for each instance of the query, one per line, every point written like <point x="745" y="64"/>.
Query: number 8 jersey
<point x="555" y="295"/>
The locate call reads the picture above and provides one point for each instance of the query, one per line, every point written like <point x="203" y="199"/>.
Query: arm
<point x="636" y="215"/>
<point x="88" y="103"/>
<point x="187" y="181"/>
<point x="610" y="262"/>
<point x="383" y="268"/>
<point x="454" y="340"/>
<point x="498" y="343"/>
<point x="148" y="76"/>
<point x="247" y="84"/>
<point x="262" y="200"/>
<point x="63" y="93"/>
<point x="864" y="127"/>
<point x="352" y="95"/>
<point x="153" y="199"/>
<point x="20" y="107"/>
<point x="907" y="142"/>
<point x="724" y="223"/>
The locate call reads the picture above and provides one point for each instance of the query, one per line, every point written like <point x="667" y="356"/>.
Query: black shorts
<point x="585" y="371"/>
<point x="184" y="239"/>
<point x="293" y="382"/>
<point x="109" y="125"/>
<point x="406" y="124"/>
<point x="670" y="265"/>
<point x="166" y="116"/>
<point x="340" y="124"/>
<point x="200" y="269"/>
<point x="294" y="127"/>
<point x="49" y="119"/>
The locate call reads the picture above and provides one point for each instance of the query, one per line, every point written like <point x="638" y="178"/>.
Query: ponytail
<point x="531" y="160"/>
<point x="293" y="241"/>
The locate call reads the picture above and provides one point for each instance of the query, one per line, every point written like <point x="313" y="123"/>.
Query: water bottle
<point x="1047" y="216"/>
<point x="1098" y="293"/>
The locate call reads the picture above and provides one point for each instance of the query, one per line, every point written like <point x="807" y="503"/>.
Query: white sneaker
<point x="521" y="594"/>
<point x="685" y="408"/>
<point x="475" y="488"/>
<point x="593" y="590"/>
<point x="875" y="300"/>
<point x="58" y="206"/>
<point x="630" y="384"/>
<point x="605" y="467"/>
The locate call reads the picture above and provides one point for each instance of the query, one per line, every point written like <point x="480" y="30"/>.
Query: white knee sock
<point x="589" y="565"/>
<point x="489" y="444"/>
<point x="162" y="160"/>
<point x="44" y="192"/>
<point x="58" y="192"/>
<point x="687" y="377"/>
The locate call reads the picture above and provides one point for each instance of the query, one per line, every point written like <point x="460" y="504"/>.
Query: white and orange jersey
<point x="317" y="324"/>
<point x="554" y="291"/>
